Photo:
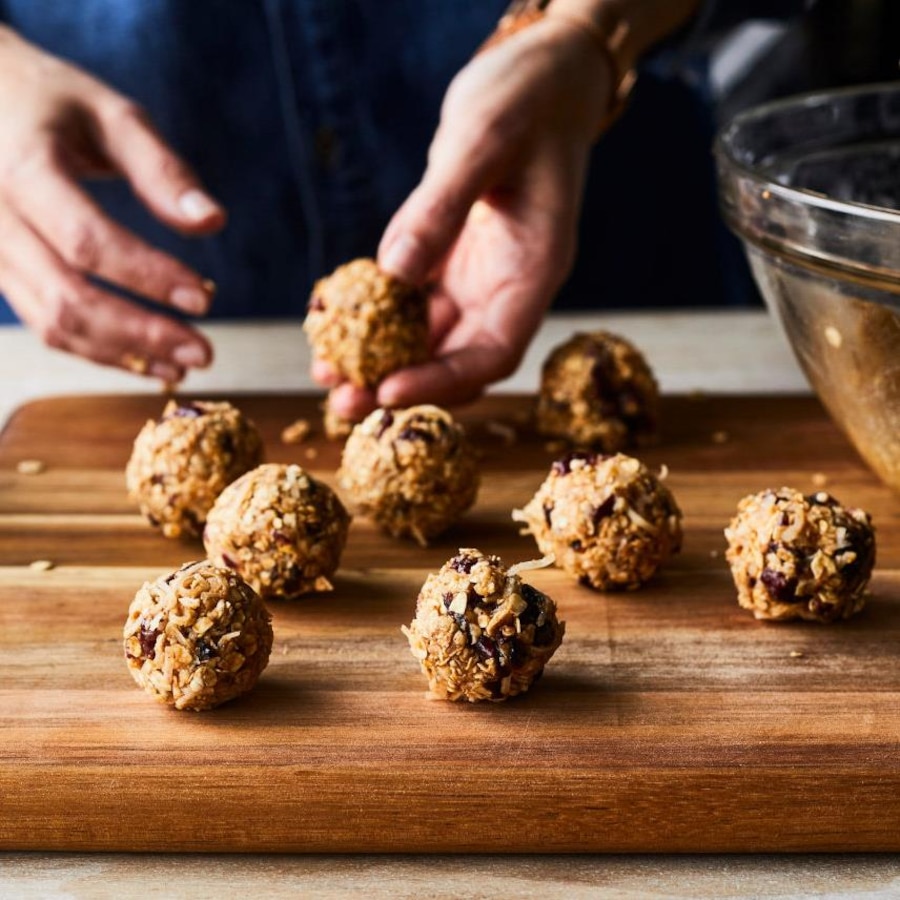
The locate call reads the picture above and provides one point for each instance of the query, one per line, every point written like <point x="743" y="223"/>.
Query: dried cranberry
<point x="188" y="411"/>
<point x="485" y="647"/>
<point x="387" y="419"/>
<point x="281" y="538"/>
<point x="463" y="563"/>
<point x="229" y="561"/>
<point x="411" y="433"/>
<point x="604" y="376"/>
<point x="315" y="304"/>
<point x="564" y="465"/>
<point x="448" y="599"/>
<point x="226" y="443"/>
<point x="147" y="638"/>
<point x="785" y="520"/>
<point x="604" y="510"/>
<point x="544" y="634"/>
<point x="205" y="651"/>
<point x="548" y="509"/>
<point x="537" y="604"/>
<point x="779" y="586"/>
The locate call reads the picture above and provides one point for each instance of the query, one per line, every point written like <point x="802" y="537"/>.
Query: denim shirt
<point x="310" y="121"/>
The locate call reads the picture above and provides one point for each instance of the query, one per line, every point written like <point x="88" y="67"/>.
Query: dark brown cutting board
<point x="669" y="720"/>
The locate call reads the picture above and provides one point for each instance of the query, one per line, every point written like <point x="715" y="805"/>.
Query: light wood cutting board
<point x="669" y="720"/>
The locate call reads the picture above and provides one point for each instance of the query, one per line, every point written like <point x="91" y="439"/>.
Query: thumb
<point x="158" y="176"/>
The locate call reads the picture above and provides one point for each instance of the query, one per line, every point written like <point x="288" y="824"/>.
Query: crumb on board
<point x="713" y="554"/>
<point x="30" y="467"/>
<point x="555" y="446"/>
<point x="297" y="432"/>
<point x="796" y="654"/>
<point x="720" y="437"/>
<point x="833" y="336"/>
<point x="310" y="453"/>
<point x="501" y="430"/>
<point x="819" y="479"/>
<point x="41" y="565"/>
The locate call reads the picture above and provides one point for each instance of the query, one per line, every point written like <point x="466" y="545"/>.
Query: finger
<point x="457" y="377"/>
<point x="443" y="315"/>
<point x="69" y="220"/>
<point x="325" y="373"/>
<point x="158" y="176"/>
<point x="70" y="313"/>
<point x="351" y="402"/>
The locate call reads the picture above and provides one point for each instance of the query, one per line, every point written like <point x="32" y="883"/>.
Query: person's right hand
<point x="60" y="125"/>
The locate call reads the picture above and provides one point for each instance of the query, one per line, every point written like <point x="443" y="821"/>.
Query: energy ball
<point x="181" y="463"/>
<point x="280" y="529"/>
<point x="480" y="632"/>
<point x="800" y="557"/>
<point x="607" y="520"/>
<point x="597" y="391"/>
<point x="198" y="637"/>
<point x="410" y="470"/>
<point x="366" y="323"/>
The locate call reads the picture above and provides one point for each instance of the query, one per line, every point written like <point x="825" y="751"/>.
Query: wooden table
<point x="655" y="675"/>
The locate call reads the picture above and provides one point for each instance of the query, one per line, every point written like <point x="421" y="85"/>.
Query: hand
<point x="493" y="222"/>
<point x="60" y="125"/>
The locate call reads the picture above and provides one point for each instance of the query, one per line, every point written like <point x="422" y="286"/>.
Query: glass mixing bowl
<point x="811" y="185"/>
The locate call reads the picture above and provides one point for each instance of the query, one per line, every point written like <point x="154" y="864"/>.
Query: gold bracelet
<point x="608" y="36"/>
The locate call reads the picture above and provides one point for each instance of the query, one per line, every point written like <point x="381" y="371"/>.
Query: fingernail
<point x="210" y="287"/>
<point x="400" y="258"/>
<point x="197" y="206"/>
<point x="190" y="299"/>
<point x="166" y="372"/>
<point x="189" y="356"/>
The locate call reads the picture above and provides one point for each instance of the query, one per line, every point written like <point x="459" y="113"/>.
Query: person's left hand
<point x="492" y="225"/>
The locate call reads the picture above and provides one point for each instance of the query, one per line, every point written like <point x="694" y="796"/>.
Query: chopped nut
<point x="458" y="604"/>
<point x="297" y="432"/>
<point x="41" y="565"/>
<point x="505" y="432"/>
<point x="30" y="467"/>
<point x="833" y="336"/>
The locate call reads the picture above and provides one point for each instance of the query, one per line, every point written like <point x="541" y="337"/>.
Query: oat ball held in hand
<point x="198" y="637"/>
<point x="800" y="557"/>
<point x="366" y="323"/>
<point x="410" y="470"/>
<point x="182" y="462"/>
<point x="480" y="632"/>
<point x="608" y="520"/>
<point x="280" y="529"/>
<point x="597" y="391"/>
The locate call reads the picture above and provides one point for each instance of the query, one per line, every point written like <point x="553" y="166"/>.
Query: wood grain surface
<point x="669" y="720"/>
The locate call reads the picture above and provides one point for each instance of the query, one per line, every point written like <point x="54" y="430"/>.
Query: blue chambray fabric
<point x="310" y="120"/>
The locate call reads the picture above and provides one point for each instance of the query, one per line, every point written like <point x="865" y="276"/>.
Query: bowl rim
<point x="724" y="142"/>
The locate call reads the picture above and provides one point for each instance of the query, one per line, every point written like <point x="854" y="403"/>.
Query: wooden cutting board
<point x="669" y="720"/>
